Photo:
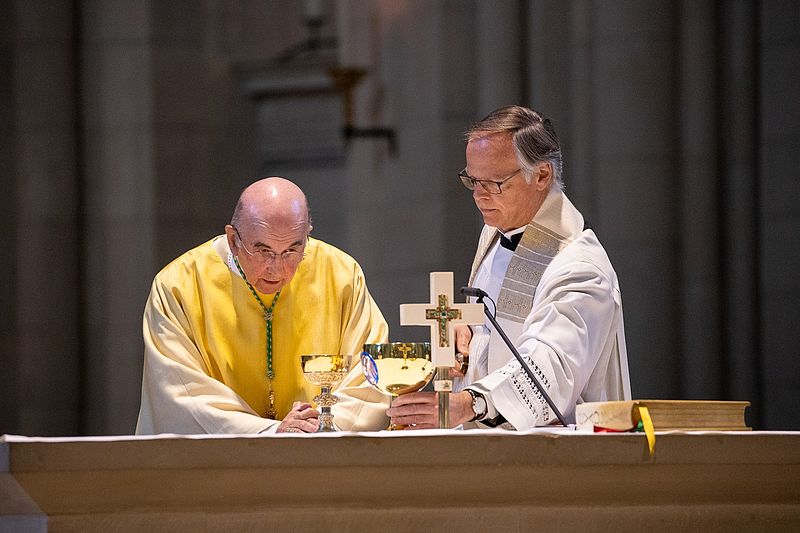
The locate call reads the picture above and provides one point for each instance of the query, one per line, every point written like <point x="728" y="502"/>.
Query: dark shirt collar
<point x="512" y="240"/>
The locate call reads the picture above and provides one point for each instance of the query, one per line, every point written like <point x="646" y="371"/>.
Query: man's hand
<point x="420" y="410"/>
<point x="463" y="337"/>
<point x="301" y="419"/>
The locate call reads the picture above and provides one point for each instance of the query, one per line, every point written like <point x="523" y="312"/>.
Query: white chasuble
<point x="559" y="302"/>
<point x="205" y="343"/>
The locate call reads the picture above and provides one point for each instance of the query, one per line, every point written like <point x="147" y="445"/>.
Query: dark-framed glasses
<point x="292" y="256"/>
<point x="490" y="186"/>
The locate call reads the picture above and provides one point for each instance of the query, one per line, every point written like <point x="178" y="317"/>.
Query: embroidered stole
<point x="556" y="225"/>
<point x="533" y="255"/>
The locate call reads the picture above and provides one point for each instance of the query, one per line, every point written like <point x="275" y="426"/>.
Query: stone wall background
<point x="126" y="134"/>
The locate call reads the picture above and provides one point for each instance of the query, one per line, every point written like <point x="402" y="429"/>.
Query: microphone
<point x="480" y="294"/>
<point x="475" y="292"/>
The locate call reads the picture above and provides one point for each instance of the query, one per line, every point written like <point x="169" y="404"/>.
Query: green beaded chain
<point x="268" y="319"/>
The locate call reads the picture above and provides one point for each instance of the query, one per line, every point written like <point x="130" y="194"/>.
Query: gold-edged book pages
<point x="687" y="415"/>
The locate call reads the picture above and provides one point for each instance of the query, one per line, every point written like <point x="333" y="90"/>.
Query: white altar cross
<point x="441" y="314"/>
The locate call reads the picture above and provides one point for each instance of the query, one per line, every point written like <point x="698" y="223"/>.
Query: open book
<point x="665" y="415"/>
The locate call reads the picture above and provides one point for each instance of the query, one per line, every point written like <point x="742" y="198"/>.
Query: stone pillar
<point x="8" y="205"/>
<point x="500" y="69"/>
<point x="738" y="154"/>
<point x="116" y="101"/>
<point x="779" y="213"/>
<point x="699" y="272"/>
<point x="579" y="126"/>
<point x="560" y="59"/>
<point x="45" y="361"/>
<point x="396" y="214"/>
<point x="461" y="105"/>
<point x="633" y="179"/>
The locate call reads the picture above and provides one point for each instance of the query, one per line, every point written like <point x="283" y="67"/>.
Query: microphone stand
<point x="521" y="360"/>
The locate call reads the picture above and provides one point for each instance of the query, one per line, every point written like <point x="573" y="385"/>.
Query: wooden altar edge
<point x="27" y="454"/>
<point x="248" y="477"/>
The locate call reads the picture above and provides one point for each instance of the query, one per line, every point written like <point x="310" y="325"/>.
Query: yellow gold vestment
<point x="204" y="335"/>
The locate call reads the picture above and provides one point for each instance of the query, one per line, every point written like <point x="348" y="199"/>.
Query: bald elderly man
<point x="226" y="321"/>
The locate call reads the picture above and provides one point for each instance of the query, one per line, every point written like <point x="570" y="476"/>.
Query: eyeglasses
<point x="490" y="186"/>
<point x="292" y="256"/>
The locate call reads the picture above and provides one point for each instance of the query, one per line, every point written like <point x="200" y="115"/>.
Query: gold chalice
<point x="325" y="371"/>
<point x="396" y="368"/>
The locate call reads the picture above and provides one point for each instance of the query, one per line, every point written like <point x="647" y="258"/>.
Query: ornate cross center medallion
<point x="443" y="315"/>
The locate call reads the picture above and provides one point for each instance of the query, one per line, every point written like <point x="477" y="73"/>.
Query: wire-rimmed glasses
<point x="490" y="186"/>
<point x="292" y="256"/>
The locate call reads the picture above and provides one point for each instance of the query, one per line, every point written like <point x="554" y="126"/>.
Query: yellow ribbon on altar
<point x="649" y="430"/>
